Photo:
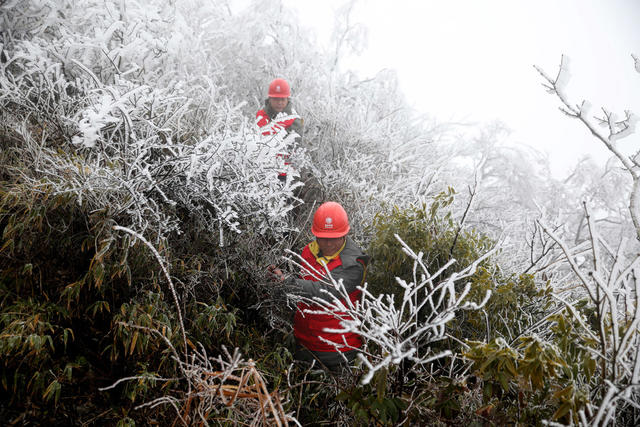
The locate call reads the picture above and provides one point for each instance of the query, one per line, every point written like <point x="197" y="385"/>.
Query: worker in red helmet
<point x="334" y="251"/>
<point x="278" y="113"/>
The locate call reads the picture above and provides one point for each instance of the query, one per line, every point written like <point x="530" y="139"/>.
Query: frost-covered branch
<point x="614" y="290"/>
<point x="617" y="129"/>
<point x="163" y="265"/>
<point x="226" y="384"/>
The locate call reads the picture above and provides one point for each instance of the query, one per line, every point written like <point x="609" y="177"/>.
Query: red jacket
<point x="264" y="120"/>
<point x="283" y="120"/>
<point x="350" y="265"/>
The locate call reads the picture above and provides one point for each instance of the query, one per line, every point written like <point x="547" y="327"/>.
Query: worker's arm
<point x="262" y="118"/>
<point x="351" y="276"/>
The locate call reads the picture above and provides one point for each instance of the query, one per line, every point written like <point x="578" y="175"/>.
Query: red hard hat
<point x="330" y="221"/>
<point x="279" y="88"/>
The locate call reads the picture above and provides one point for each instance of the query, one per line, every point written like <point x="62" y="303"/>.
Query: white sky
<point x="466" y="60"/>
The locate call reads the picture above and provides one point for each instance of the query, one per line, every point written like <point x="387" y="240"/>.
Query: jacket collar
<point x="324" y="260"/>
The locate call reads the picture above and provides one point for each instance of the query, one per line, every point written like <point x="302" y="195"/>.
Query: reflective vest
<point x="308" y="327"/>
<point x="264" y="120"/>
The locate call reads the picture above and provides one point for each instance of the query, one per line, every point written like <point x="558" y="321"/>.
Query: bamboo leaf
<point x="134" y="339"/>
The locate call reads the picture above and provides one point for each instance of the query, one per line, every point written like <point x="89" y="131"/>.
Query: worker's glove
<point x="275" y="274"/>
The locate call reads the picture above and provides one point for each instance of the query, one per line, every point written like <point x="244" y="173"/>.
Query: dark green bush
<point x="79" y="307"/>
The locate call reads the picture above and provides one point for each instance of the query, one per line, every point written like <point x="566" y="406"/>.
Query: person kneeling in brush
<point x="332" y="251"/>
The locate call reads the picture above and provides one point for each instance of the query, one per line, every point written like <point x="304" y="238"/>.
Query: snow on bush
<point x="140" y="144"/>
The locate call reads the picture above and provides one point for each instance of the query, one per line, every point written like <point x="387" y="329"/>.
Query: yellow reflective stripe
<point x="314" y="248"/>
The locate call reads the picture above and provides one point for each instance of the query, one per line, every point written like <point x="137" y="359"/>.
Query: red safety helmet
<point x="330" y="221"/>
<point x="279" y="88"/>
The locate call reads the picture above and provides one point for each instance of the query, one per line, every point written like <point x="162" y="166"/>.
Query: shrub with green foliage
<point x="515" y="301"/>
<point x="82" y="308"/>
<point x="142" y="117"/>
<point x="534" y="371"/>
<point x="531" y="381"/>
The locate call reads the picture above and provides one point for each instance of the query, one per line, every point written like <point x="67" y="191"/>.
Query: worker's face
<point x="278" y="104"/>
<point x="329" y="246"/>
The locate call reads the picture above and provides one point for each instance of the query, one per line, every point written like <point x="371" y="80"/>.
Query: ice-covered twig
<point x="617" y="321"/>
<point x="617" y="129"/>
<point x="166" y="273"/>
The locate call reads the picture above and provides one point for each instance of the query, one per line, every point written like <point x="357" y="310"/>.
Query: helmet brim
<point x="323" y="234"/>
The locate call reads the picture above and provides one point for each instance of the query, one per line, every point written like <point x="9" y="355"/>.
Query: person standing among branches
<point x="331" y="253"/>
<point x="278" y="113"/>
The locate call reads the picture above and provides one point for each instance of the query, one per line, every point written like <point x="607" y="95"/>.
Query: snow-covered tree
<point x="606" y="304"/>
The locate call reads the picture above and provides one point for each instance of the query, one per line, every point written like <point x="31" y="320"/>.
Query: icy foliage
<point x="609" y="280"/>
<point x="614" y="130"/>
<point x="607" y="276"/>
<point x="121" y="82"/>
<point x="143" y="112"/>
<point x="136" y="142"/>
<point x="230" y="381"/>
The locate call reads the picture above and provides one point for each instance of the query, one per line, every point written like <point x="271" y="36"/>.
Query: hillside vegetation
<point x="140" y="206"/>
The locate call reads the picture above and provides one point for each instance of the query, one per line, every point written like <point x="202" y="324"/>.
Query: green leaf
<point x="565" y="393"/>
<point x="52" y="391"/>
<point x="381" y="383"/>
<point x="342" y="396"/>
<point x="392" y="409"/>
<point x="502" y="378"/>
<point x="511" y="367"/>
<point x="27" y="269"/>
<point x="65" y="336"/>
<point x="562" y="411"/>
<point x="589" y="367"/>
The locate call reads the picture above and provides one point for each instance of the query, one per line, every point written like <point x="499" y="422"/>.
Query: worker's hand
<point x="275" y="273"/>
